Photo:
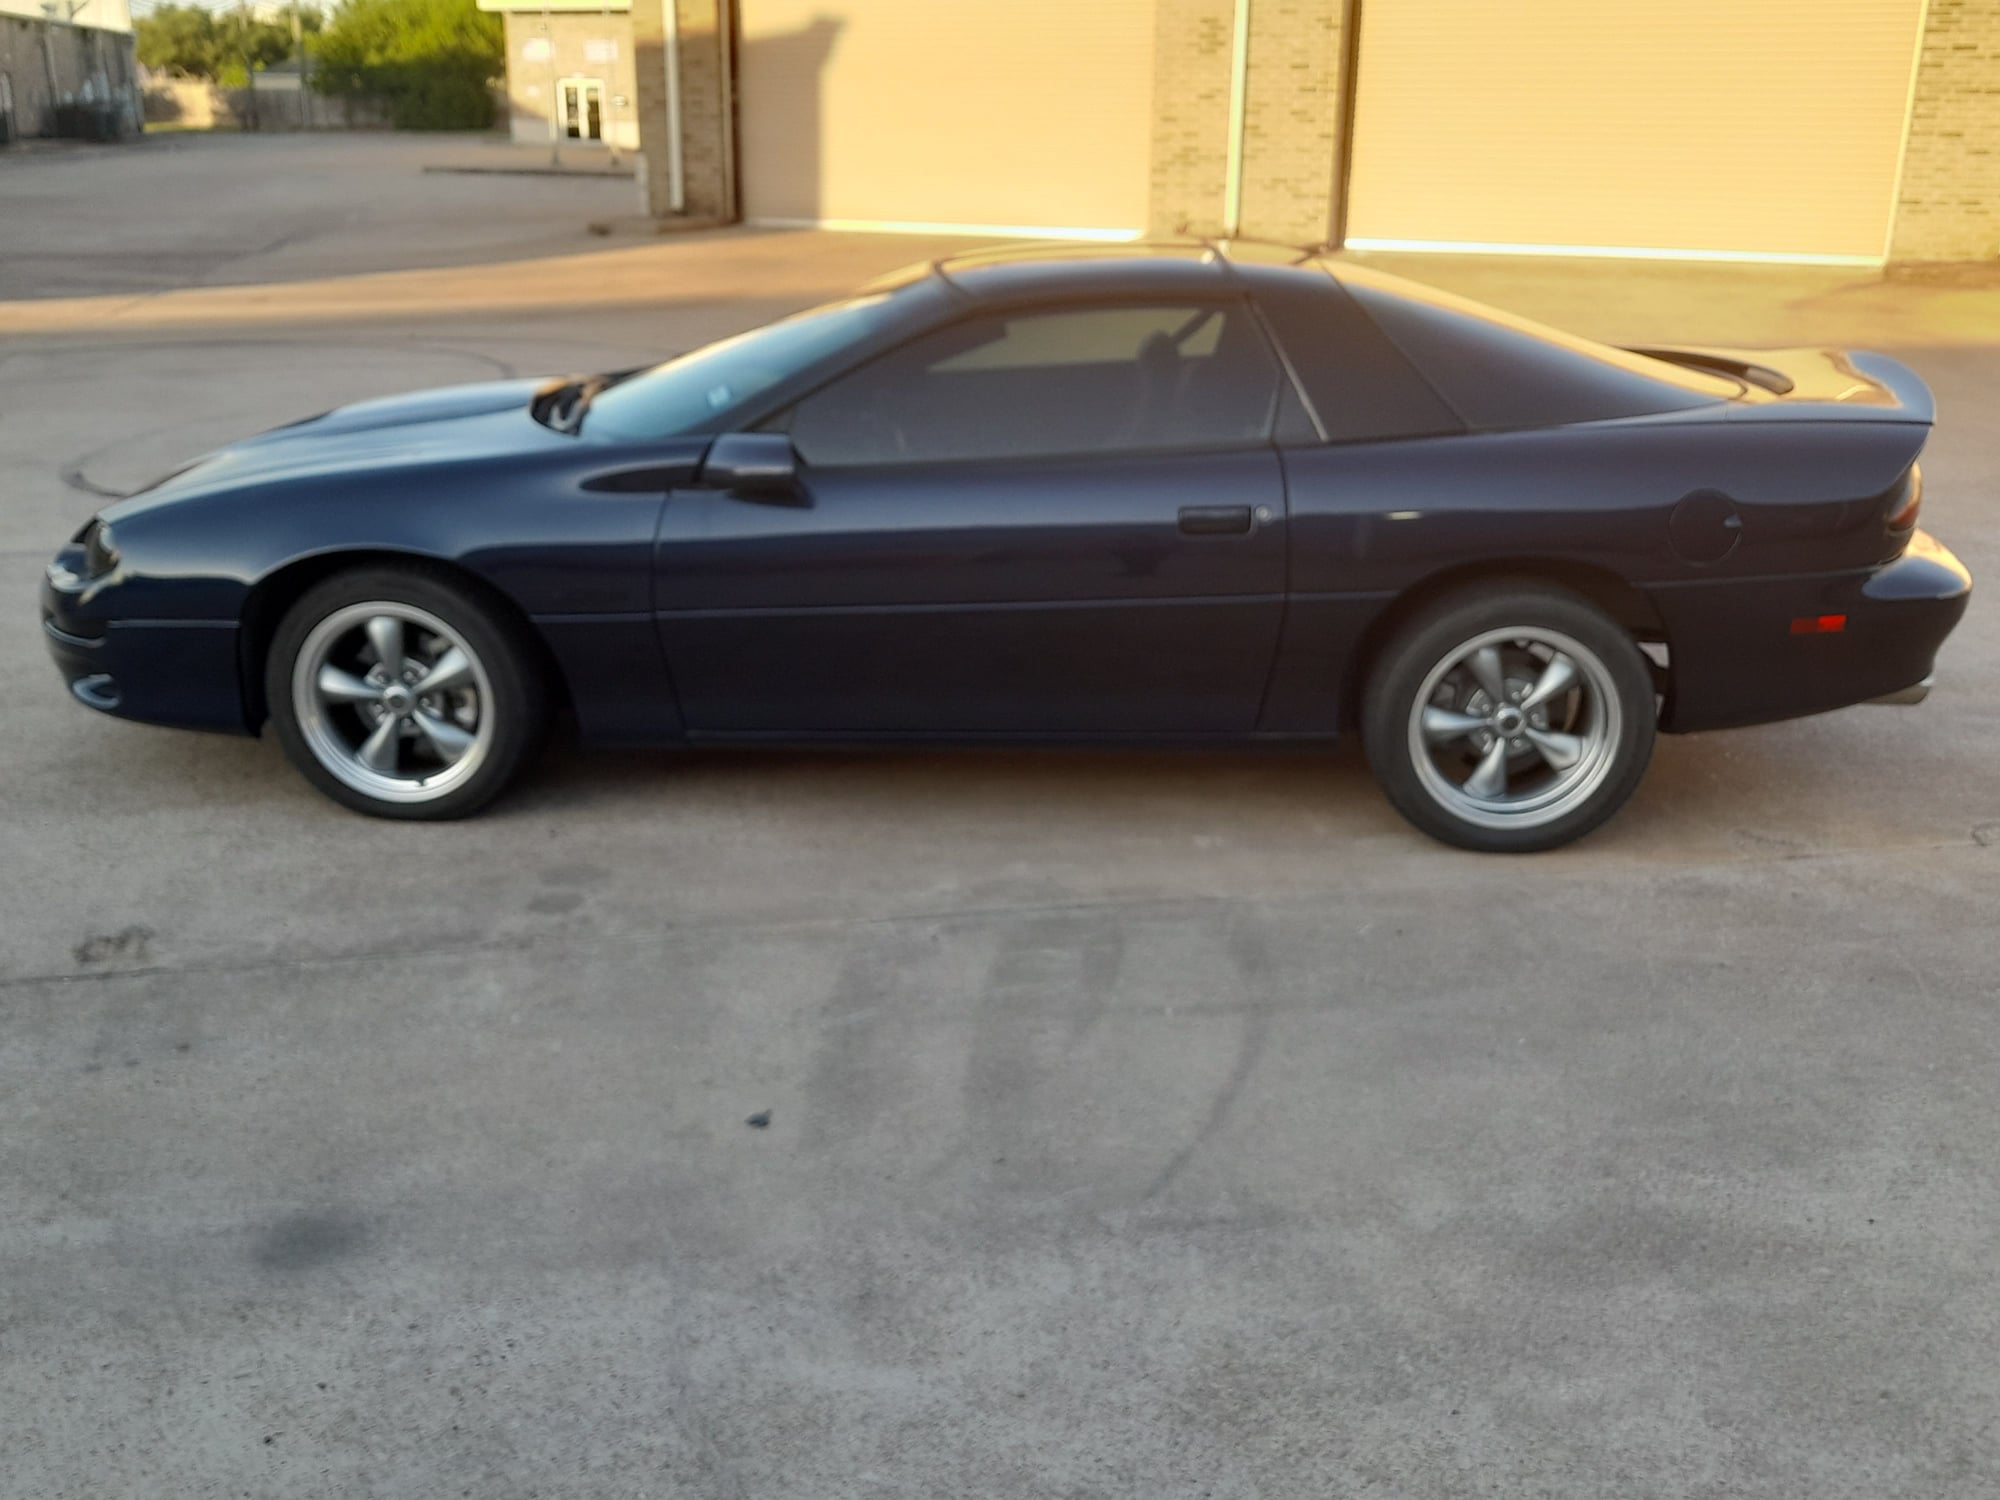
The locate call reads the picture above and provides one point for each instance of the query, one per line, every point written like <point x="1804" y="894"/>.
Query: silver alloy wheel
<point x="393" y="701"/>
<point x="1516" y="727"/>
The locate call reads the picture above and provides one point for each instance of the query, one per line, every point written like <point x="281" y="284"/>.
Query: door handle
<point x="1215" y="520"/>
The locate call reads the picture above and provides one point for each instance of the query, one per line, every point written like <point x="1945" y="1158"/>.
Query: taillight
<point x="1907" y="500"/>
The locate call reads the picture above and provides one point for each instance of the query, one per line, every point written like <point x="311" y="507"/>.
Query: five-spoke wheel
<point x="1510" y="718"/>
<point x="389" y="698"/>
<point x="412" y="697"/>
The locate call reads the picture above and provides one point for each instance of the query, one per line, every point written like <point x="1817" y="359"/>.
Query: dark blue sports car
<point x="1052" y="495"/>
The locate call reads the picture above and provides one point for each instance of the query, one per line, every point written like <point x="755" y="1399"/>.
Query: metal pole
<point x="1239" y="93"/>
<point x="1343" y="151"/>
<point x="299" y="51"/>
<point x="610" y="94"/>
<point x="555" y="94"/>
<point x="676" y="161"/>
<point x="725" y="26"/>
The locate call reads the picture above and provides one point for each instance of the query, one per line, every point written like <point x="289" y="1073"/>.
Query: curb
<point x="625" y="173"/>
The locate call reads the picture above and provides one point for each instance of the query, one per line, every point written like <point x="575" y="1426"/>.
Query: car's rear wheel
<point x="402" y="693"/>
<point x="1509" y="718"/>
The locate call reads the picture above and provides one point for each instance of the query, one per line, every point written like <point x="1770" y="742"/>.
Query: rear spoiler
<point x="1886" y="388"/>
<point x="1905" y="385"/>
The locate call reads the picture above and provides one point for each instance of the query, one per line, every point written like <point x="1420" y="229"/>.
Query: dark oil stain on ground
<point x="128" y="944"/>
<point x="300" y="1242"/>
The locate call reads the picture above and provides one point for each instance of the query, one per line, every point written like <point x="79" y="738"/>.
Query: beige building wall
<point x="568" y="44"/>
<point x="1777" y="127"/>
<point x="1678" y="125"/>
<point x="1030" y="115"/>
<point x="100" y="15"/>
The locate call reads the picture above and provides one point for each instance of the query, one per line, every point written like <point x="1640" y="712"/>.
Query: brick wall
<point x="1191" y="63"/>
<point x="707" y="140"/>
<point x="1291" y="123"/>
<point x="1291" y="116"/>
<point x="1949" y="207"/>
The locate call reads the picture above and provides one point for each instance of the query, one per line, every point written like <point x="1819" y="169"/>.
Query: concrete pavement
<point x="1169" y="1125"/>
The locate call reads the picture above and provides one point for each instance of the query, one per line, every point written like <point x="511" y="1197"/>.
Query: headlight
<point x="100" y="551"/>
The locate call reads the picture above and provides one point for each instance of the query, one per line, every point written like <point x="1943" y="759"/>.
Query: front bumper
<point x="1739" y="657"/>
<point x="185" y="673"/>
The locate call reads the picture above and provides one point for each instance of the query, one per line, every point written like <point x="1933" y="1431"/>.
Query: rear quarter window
<point x="1500" y="372"/>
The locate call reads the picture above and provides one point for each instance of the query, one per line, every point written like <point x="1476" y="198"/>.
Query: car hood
<point x="456" y="424"/>
<point x="443" y="404"/>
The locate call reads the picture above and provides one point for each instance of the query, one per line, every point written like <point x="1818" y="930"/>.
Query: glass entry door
<point x="583" y="108"/>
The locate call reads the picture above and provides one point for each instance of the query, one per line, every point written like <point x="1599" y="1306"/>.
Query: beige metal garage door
<point x="984" y="114"/>
<point x="1762" y="128"/>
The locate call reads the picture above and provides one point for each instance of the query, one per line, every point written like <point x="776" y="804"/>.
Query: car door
<point x="1040" y="523"/>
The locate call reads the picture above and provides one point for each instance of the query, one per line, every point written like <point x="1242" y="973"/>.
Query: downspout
<point x="1239" y="79"/>
<point x="676" y="161"/>
<point x="1909" y="119"/>
<point x="726" y="25"/>
<point x="1343" y="147"/>
<point x="49" y="64"/>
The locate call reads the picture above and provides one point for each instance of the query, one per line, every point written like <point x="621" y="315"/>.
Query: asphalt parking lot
<point x="1154" y="1126"/>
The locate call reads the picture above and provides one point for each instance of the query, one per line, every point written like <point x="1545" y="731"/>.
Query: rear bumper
<point x="1910" y="696"/>
<point x="1740" y="655"/>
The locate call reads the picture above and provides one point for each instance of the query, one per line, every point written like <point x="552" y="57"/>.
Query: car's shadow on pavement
<point x="1834" y="782"/>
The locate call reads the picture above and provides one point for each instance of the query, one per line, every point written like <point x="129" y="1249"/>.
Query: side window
<point x="1082" y="380"/>
<point x="1360" y="385"/>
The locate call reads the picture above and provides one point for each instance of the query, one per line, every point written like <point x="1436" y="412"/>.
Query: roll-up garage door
<point x="1760" y="128"/>
<point x="989" y="115"/>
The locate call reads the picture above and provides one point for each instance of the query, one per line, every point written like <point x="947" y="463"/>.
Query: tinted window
<point x="1085" y="380"/>
<point x="688" y="393"/>
<point x="1499" y="371"/>
<point x="1361" y="387"/>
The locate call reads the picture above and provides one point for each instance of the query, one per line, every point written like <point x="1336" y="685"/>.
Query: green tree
<point x="177" y="39"/>
<point x="225" y="47"/>
<point x="432" y="62"/>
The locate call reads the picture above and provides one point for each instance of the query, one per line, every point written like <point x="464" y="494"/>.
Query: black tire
<point x="1607" y="728"/>
<point x="499" y="712"/>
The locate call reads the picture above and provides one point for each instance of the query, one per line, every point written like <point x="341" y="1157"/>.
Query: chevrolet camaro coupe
<point x="1177" y="494"/>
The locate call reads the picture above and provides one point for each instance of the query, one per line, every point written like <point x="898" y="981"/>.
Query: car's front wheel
<point x="1509" y="718"/>
<point x="402" y="693"/>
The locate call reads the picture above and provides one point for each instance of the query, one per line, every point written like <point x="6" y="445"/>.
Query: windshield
<point x="688" y="393"/>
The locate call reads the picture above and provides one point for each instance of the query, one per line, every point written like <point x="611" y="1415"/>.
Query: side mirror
<point x="760" y="466"/>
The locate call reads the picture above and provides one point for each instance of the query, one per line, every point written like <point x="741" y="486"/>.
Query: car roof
<point x="1496" y="371"/>
<point x="1009" y="273"/>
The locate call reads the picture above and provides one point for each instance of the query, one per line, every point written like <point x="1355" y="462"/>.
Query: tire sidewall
<point x="1433" y="633"/>
<point x="518" y="706"/>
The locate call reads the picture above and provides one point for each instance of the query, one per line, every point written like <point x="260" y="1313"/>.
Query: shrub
<point x="430" y="62"/>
